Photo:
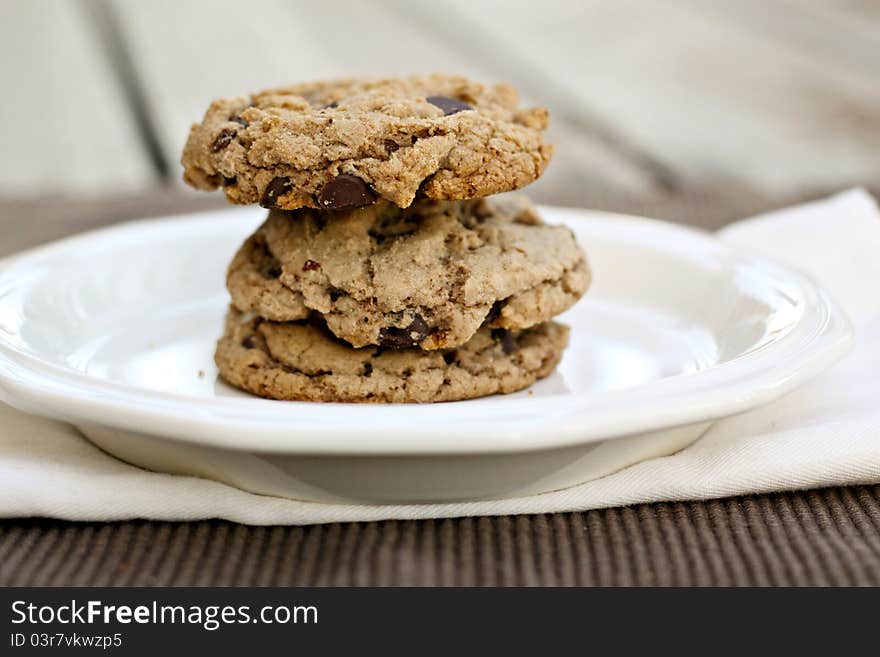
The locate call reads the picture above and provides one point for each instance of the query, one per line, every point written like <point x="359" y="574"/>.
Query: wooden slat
<point x="589" y="149"/>
<point x="67" y="130"/>
<point x="213" y="49"/>
<point x="836" y="35"/>
<point x="715" y="100"/>
<point x="188" y="53"/>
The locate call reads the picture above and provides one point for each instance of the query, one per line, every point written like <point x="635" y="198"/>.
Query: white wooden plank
<point x="371" y="38"/>
<point x="846" y="38"/>
<point x="68" y="130"/>
<point x="188" y="53"/>
<point x="705" y="94"/>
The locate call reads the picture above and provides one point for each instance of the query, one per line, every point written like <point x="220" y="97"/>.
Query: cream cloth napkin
<point x="826" y="433"/>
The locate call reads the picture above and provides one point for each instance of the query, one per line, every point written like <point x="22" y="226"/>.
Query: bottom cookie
<point x="303" y="361"/>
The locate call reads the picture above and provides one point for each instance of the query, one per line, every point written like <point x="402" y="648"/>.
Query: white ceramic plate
<point x="114" y="331"/>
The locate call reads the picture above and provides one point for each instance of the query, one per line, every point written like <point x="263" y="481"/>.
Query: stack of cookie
<point x="382" y="273"/>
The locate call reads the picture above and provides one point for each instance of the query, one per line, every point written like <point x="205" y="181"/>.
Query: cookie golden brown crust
<point x="429" y="275"/>
<point x="302" y="361"/>
<point x="347" y="143"/>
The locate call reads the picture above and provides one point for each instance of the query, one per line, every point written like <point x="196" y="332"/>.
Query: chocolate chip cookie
<point x="344" y="144"/>
<point x="302" y="361"/>
<point x="427" y="276"/>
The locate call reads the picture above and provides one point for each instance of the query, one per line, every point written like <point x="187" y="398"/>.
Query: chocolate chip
<point x="311" y="265"/>
<point x="278" y="187"/>
<point x="448" y="105"/>
<point x="418" y="325"/>
<point x="332" y="105"/>
<point x="391" y="146"/>
<point x="223" y="139"/>
<point x="335" y="293"/>
<point x="248" y="342"/>
<point x="394" y="337"/>
<point x="228" y="182"/>
<point x="449" y="357"/>
<point x="494" y="312"/>
<point x="398" y="338"/>
<point x="506" y="339"/>
<point x="273" y="270"/>
<point x="345" y="191"/>
<point x="368" y="369"/>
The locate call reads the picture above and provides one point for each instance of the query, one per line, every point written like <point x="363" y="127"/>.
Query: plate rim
<point x="35" y="385"/>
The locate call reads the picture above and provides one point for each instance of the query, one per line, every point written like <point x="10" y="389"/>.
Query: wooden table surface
<point x="699" y="111"/>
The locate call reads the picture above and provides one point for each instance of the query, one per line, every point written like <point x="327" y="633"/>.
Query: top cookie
<point x="344" y="144"/>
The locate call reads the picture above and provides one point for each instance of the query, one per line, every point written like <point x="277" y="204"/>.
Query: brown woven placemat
<point x="825" y="537"/>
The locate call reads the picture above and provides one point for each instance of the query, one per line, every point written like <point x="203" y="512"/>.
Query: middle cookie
<point x="428" y="275"/>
